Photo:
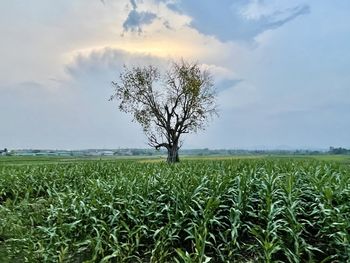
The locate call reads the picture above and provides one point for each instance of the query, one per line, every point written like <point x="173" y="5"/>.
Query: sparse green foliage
<point x="167" y="106"/>
<point x="199" y="211"/>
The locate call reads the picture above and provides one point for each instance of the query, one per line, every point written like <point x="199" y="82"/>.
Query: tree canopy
<point x="167" y="105"/>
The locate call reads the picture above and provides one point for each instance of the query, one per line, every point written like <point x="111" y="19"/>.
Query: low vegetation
<point x="264" y="210"/>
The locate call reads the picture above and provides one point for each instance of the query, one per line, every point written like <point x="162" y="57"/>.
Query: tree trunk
<point x="173" y="154"/>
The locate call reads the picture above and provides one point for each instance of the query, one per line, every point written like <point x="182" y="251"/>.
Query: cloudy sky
<point x="281" y="69"/>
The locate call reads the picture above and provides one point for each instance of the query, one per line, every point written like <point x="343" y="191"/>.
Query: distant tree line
<point x="339" y="150"/>
<point x="162" y="152"/>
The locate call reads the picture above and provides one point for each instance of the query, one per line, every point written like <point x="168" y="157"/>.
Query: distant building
<point x="107" y="153"/>
<point x="63" y="153"/>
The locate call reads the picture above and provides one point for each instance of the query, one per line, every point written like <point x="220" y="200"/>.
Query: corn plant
<point x="257" y="210"/>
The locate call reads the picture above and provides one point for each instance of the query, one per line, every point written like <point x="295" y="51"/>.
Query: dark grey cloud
<point x="133" y="4"/>
<point x="104" y="65"/>
<point x="137" y="19"/>
<point x="280" y="18"/>
<point x="174" y="7"/>
<point x="108" y="62"/>
<point x="224" y="19"/>
<point x="167" y="25"/>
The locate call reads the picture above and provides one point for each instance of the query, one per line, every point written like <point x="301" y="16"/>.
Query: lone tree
<point x="180" y="101"/>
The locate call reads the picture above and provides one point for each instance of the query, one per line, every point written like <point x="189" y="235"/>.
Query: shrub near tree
<point x="168" y="105"/>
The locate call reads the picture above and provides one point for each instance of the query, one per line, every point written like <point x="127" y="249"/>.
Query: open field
<point x="251" y="209"/>
<point x="43" y="160"/>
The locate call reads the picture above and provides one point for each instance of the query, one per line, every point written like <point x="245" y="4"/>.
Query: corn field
<point x="268" y="210"/>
